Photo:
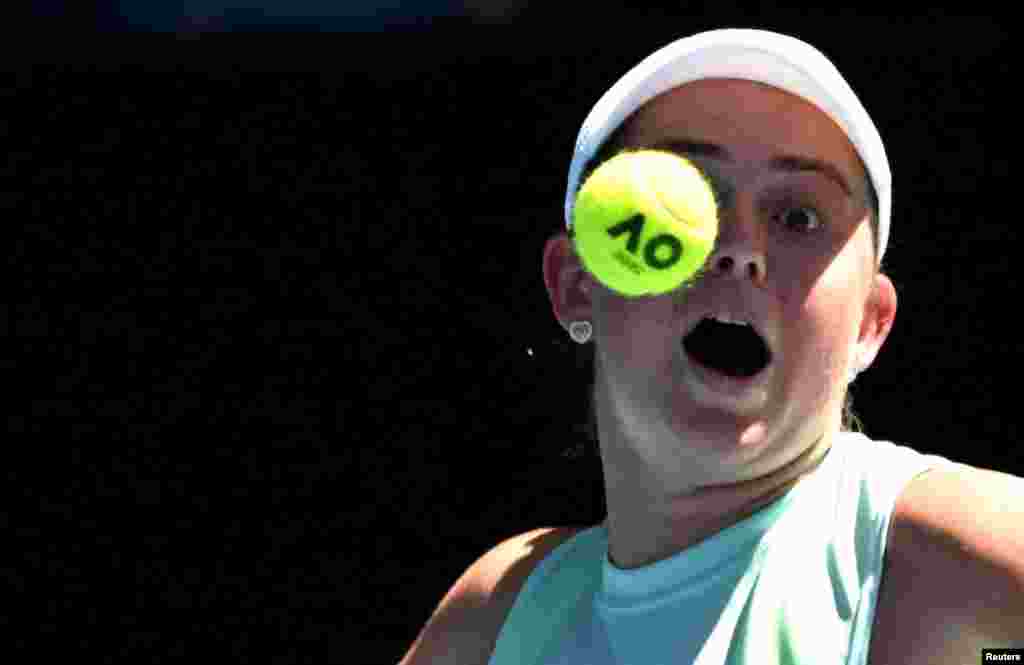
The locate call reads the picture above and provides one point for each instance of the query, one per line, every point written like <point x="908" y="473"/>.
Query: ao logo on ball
<point x="634" y="226"/>
<point x="665" y="208"/>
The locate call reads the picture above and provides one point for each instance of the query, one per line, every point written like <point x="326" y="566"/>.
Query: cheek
<point x="827" y="330"/>
<point x="802" y="277"/>
<point x="639" y="331"/>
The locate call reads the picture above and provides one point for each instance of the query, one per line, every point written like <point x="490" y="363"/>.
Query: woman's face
<point x="794" y="256"/>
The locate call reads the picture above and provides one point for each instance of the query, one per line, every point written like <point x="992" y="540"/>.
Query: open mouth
<point x="735" y="350"/>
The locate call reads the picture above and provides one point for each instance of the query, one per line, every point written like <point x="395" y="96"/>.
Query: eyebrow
<point x="792" y="163"/>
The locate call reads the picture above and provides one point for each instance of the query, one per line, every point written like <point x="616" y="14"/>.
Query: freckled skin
<point x="679" y="462"/>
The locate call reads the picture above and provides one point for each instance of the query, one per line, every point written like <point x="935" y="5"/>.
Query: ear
<point x="879" y="315"/>
<point x="570" y="288"/>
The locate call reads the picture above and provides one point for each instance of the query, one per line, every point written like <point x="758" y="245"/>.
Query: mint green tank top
<point x="793" y="584"/>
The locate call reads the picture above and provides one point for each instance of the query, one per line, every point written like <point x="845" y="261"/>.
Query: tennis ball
<point x="644" y="222"/>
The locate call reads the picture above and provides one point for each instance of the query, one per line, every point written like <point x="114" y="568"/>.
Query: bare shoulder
<point x="464" y="628"/>
<point x="513" y="561"/>
<point x="954" y="576"/>
<point x="973" y="513"/>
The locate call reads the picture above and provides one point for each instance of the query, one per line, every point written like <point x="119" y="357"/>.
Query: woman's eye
<point x="800" y="219"/>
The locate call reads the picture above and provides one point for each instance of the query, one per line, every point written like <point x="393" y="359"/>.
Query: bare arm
<point x="464" y="628"/>
<point x="957" y="578"/>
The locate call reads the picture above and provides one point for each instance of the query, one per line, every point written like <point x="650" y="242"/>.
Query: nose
<point x="740" y="247"/>
<point x="740" y="262"/>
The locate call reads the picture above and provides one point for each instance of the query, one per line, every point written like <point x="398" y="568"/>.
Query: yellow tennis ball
<point x="644" y="222"/>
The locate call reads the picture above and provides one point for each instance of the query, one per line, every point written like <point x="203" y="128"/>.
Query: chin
<point x="732" y="436"/>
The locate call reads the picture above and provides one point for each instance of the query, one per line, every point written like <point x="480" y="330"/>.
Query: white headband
<point x="754" y="55"/>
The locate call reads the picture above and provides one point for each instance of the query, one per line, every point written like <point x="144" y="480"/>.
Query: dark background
<point x="282" y="362"/>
